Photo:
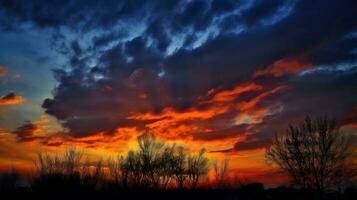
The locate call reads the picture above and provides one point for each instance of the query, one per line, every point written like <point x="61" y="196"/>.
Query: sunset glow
<point x="221" y="75"/>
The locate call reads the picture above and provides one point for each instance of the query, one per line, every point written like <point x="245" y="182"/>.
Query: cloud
<point x="3" y="71"/>
<point x="26" y="132"/>
<point x="330" y="93"/>
<point x="204" y="71"/>
<point x="11" y="99"/>
<point x="284" y="66"/>
<point x="261" y="10"/>
<point x="126" y="81"/>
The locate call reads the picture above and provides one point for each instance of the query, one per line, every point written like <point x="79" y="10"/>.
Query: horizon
<point x="225" y="75"/>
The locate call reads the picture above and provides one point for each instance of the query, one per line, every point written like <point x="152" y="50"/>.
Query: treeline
<point x="153" y="165"/>
<point x="315" y="154"/>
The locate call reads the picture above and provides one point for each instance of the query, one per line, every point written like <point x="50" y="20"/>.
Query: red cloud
<point x="283" y="66"/>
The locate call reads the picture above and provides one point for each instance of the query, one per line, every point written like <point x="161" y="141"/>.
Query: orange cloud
<point x="250" y="112"/>
<point x="248" y="105"/>
<point x="201" y="121"/>
<point x="170" y="121"/>
<point x="11" y="99"/>
<point x="3" y="71"/>
<point x="199" y="126"/>
<point x="13" y="154"/>
<point x="229" y="95"/>
<point x="283" y="66"/>
<point x="196" y="127"/>
<point x="173" y="124"/>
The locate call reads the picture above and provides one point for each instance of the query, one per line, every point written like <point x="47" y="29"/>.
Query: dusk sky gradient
<point x="221" y="74"/>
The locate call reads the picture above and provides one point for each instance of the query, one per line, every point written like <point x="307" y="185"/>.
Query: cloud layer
<point x="219" y="70"/>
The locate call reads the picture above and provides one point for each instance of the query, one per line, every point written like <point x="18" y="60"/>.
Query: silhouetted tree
<point x="197" y="166"/>
<point x="59" y="170"/>
<point x="150" y="152"/>
<point x="67" y="163"/>
<point x="98" y="176"/>
<point x="221" y="171"/>
<point x="154" y="164"/>
<point x="133" y="170"/>
<point x="115" y="166"/>
<point x="72" y="159"/>
<point x="179" y="163"/>
<point x="166" y="165"/>
<point x="315" y="153"/>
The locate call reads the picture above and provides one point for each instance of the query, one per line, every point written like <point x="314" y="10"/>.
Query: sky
<point x="226" y="75"/>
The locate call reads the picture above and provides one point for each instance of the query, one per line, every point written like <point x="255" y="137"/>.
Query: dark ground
<point x="248" y="192"/>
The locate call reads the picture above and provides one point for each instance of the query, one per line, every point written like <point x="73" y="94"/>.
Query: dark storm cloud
<point x="133" y="72"/>
<point x="226" y="60"/>
<point x="89" y="106"/>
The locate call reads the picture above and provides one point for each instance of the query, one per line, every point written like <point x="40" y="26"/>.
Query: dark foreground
<point x="249" y="192"/>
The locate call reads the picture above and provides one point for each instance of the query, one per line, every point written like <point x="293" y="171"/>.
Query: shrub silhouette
<point x="315" y="154"/>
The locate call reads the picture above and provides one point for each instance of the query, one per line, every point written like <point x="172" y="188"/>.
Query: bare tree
<point x="221" y="171"/>
<point x="166" y="165"/>
<point x="57" y="168"/>
<point x="66" y="163"/>
<point x="154" y="164"/>
<point x="115" y="166"/>
<point x="150" y="152"/>
<point x="71" y="159"/>
<point x="197" y="166"/>
<point x="315" y="154"/>
<point x="133" y="170"/>
<point x="179" y="163"/>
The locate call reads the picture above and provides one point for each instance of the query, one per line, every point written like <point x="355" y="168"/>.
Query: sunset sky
<point x="221" y="74"/>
